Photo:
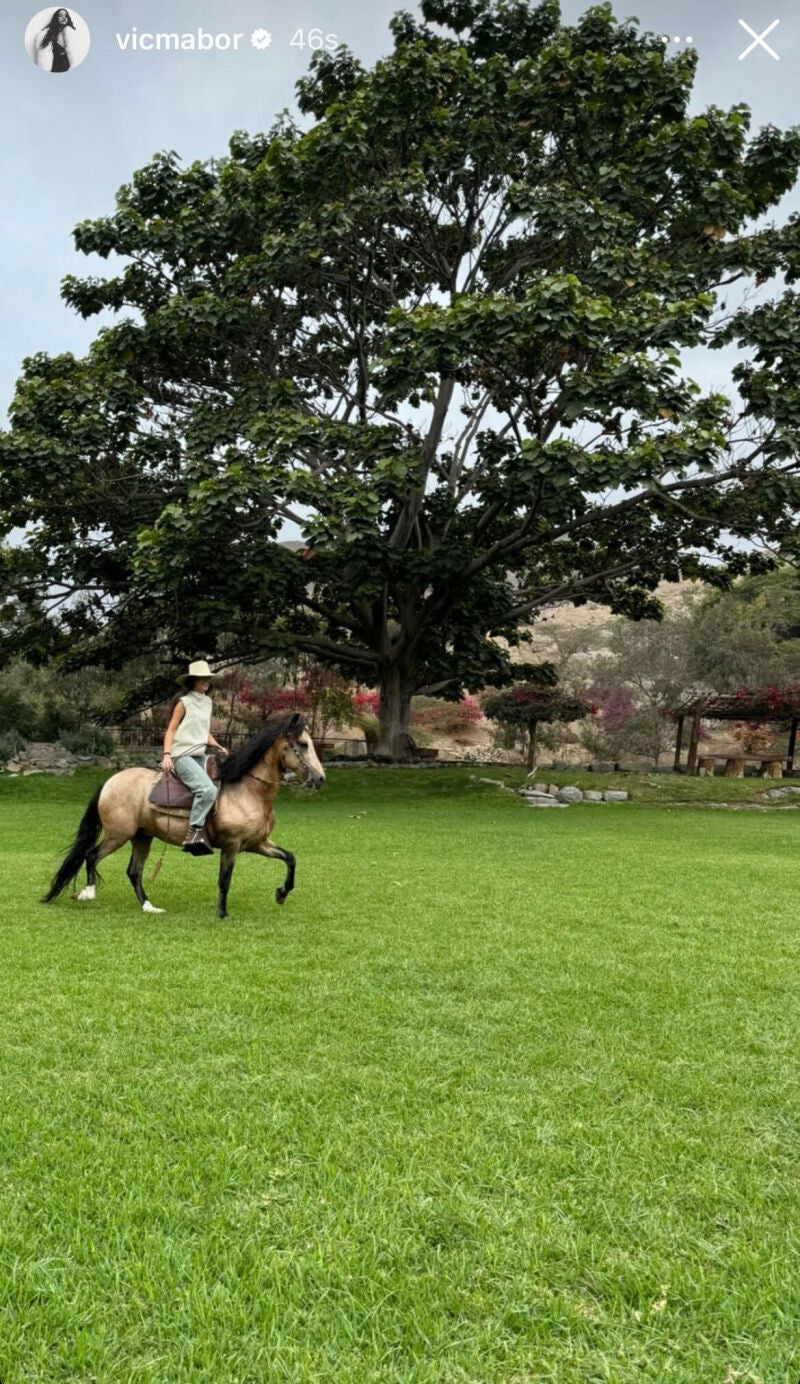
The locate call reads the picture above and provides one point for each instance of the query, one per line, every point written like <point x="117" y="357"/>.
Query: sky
<point x="73" y="138"/>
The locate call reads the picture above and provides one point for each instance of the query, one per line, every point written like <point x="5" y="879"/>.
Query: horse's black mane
<point x="241" y="761"/>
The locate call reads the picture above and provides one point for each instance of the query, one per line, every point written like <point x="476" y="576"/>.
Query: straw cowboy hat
<point x="198" y="669"/>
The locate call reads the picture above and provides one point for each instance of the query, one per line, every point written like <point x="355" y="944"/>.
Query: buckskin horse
<point x="241" y="819"/>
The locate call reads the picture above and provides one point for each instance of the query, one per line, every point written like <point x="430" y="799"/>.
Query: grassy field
<point x="498" y="1095"/>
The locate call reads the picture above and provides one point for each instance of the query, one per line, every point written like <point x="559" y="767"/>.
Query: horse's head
<point x="299" y="755"/>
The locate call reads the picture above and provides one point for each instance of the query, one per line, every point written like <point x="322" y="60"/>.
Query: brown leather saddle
<point x="169" y="793"/>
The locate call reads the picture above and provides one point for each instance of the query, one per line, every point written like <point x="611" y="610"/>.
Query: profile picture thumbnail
<point x="57" y="39"/>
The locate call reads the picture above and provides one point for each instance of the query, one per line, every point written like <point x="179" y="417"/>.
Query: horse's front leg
<point x="274" y="852"/>
<point x="226" y="864"/>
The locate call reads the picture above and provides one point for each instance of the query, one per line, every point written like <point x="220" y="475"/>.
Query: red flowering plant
<point x="766" y="703"/>
<point x="321" y="695"/>
<point x="274" y="701"/>
<point x="366" y="702"/>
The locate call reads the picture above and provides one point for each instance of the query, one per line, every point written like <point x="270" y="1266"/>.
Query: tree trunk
<point x="394" y="712"/>
<point x="530" y="759"/>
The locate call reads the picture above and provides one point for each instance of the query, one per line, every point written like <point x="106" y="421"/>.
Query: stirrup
<point x="197" y="843"/>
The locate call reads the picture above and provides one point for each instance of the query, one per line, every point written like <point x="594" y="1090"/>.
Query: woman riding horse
<point x="244" y="818"/>
<point x="185" y="741"/>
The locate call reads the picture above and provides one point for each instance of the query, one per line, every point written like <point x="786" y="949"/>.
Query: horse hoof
<point x="280" y="896"/>
<point x="88" y="892"/>
<point x="148" y="907"/>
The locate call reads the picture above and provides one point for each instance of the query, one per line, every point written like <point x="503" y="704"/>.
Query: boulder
<point x="591" y="795"/>
<point x="42" y="754"/>
<point x="615" y="795"/>
<point x="570" y="795"/>
<point x="546" y="801"/>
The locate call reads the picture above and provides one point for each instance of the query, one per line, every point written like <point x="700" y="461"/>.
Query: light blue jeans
<point x="189" y="768"/>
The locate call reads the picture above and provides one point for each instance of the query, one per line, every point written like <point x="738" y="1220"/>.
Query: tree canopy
<point x="439" y="330"/>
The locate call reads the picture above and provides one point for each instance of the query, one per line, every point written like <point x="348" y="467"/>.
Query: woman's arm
<point x="169" y="735"/>
<point x="217" y="745"/>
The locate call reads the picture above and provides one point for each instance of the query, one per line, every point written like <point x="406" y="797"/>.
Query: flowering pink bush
<point x="615" y="704"/>
<point x="367" y="702"/>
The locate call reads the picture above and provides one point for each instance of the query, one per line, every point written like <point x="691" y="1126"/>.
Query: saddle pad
<point x="169" y="792"/>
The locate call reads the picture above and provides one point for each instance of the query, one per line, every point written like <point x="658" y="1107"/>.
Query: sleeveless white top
<point x="191" y="737"/>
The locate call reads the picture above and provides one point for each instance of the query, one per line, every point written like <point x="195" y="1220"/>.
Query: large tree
<point x="441" y="331"/>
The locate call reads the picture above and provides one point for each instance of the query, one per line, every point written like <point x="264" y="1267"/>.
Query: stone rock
<point x="13" y="766"/>
<point x="27" y="772"/>
<point x="546" y="801"/>
<point x="615" y="795"/>
<point x="42" y="754"/>
<point x="591" y="795"/>
<point x="777" y="793"/>
<point x="570" y="795"/>
<point x="604" y="768"/>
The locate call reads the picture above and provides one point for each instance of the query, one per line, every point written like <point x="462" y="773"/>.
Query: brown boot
<point x="197" y="843"/>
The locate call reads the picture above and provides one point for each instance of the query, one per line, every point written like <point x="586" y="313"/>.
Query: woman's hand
<point x="166" y="762"/>
<point x="222" y="750"/>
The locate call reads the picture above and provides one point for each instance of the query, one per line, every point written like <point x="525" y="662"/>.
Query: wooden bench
<point x="769" y="765"/>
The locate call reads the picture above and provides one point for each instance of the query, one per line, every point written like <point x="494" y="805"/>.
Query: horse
<point x="241" y="819"/>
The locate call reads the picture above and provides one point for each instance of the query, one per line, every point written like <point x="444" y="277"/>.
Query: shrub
<point x="11" y="743"/>
<point x="366" y="721"/>
<point x="447" y="718"/>
<point x="87" y="740"/>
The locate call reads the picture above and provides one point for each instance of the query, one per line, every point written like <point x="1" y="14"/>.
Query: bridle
<point x="266" y="782"/>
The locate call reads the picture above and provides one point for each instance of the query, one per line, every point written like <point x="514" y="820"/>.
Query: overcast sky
<point x="72" y="139"/>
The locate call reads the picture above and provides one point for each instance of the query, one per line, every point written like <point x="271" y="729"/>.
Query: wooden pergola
<point x="760" y="704"/>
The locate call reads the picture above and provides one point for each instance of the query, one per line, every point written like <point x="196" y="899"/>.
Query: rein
<point x="267" y="782"/>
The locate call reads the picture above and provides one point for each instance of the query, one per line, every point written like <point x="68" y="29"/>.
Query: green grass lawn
<point x="497" y="1095"/>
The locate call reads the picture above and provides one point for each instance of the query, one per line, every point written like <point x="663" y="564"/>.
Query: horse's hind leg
<point x="140" y="849"/>
<point x="274" y="852"/>
<point x="107" y="846"/>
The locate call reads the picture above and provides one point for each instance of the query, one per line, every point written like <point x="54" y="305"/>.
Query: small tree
<point x="521" y="708"/>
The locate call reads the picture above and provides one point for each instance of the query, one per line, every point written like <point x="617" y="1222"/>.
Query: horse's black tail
<point x="85" y="838"/>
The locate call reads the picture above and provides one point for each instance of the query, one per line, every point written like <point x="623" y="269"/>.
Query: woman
<point x="54" y="38"/>
<point x="185" y="741"/>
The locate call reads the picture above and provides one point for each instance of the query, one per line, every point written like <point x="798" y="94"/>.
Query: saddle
<point x="168" y="791"/>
